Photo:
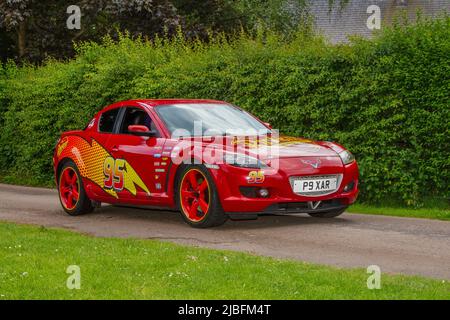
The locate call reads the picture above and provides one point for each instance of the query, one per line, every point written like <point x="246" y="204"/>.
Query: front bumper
<point x="281" y="198"/>
<point x="292" y="208"/>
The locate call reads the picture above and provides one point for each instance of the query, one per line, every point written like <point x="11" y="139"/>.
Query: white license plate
<point x="315" y="185"/>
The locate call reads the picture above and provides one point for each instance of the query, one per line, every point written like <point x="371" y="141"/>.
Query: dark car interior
<point x="136" y="116"/>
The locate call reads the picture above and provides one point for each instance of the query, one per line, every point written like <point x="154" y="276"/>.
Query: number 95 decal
<point x="113" y="171"/>
<point x="255" y="177"/>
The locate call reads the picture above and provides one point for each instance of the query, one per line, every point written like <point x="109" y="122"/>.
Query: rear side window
<point x="107" y="121"/>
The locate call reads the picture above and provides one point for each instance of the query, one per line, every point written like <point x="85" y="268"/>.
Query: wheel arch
<point x="176" y="178"/>
<point x="60" y="165"/>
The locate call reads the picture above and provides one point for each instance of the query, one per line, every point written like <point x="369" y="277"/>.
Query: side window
<point x="107" y="121"/>
<point x="135" y="116"/>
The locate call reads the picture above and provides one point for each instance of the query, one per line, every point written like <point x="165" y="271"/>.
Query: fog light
<point x="349" y="187"/>
<point x="263" y="192"/>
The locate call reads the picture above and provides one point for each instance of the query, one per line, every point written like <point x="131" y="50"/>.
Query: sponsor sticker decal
<point x="91" y="124"/>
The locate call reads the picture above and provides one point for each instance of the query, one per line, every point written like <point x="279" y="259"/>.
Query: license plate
<point x="315" y="185"/>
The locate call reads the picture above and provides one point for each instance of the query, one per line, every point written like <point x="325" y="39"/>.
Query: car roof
<point x="160" y="102"/>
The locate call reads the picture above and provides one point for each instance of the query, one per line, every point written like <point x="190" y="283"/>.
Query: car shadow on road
<point x="274" y="221"/>
<point x="174" y="218"/>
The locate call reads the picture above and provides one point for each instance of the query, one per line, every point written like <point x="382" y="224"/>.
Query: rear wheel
<point x="71" y="191"/>
<point x="197" y="198"/>
<point x="328" y="214"/>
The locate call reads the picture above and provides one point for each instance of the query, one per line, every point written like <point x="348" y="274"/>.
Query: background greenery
<point x="386" y="99"/>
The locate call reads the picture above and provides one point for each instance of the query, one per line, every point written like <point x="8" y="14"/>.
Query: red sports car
<point x="208" y="159"/>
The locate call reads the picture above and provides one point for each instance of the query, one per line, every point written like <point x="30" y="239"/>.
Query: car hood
<point x="287" y="147"/>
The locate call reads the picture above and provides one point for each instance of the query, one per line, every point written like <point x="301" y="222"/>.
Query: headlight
<point x="346" y="157"/>
<point x="243" y="161"/>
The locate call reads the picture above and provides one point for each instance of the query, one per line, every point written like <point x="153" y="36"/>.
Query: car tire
<point x="72" y="194"/>
<point x="193" y="198"/>
<point x="328" y="214"/>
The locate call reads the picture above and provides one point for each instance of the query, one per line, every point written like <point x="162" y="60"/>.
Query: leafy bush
<point x="386" y="99"/>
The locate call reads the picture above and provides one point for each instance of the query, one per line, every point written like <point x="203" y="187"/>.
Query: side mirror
<point x="267" y="125"/>
<point x="139" y="130"/>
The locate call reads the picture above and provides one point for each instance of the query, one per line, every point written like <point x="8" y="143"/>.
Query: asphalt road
<point x="397" y="245"/>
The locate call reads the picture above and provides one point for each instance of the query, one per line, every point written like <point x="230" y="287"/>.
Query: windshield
<point x="208" y="119"/>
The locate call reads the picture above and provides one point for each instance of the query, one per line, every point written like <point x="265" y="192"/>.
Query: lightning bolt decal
<point x="91" y="160"/>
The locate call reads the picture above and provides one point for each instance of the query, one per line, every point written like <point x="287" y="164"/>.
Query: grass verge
<point x="33" y="263"/>
<point x="438" y="213"/>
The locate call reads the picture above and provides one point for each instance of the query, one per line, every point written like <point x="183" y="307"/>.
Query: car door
<point x="99" y="154"/>
<point x="137" y="167"/>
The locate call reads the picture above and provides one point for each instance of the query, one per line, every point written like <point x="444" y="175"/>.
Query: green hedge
<point x="386" y="99"/>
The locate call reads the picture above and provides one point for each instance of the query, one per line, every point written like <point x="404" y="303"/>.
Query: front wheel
<point x="197" y="198"/>
<point x="328" y="214"/>
<point x="71" y="191"/>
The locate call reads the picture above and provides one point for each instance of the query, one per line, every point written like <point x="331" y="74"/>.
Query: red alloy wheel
<point x="69" y="188"/>
<point x="194" y="195"/>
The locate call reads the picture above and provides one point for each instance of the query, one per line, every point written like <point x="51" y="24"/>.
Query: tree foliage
<point x="33" y="30"/>
<point x="38" y="28"/>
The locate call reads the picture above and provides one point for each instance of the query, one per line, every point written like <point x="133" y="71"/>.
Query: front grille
<point x="294" y="207"/>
